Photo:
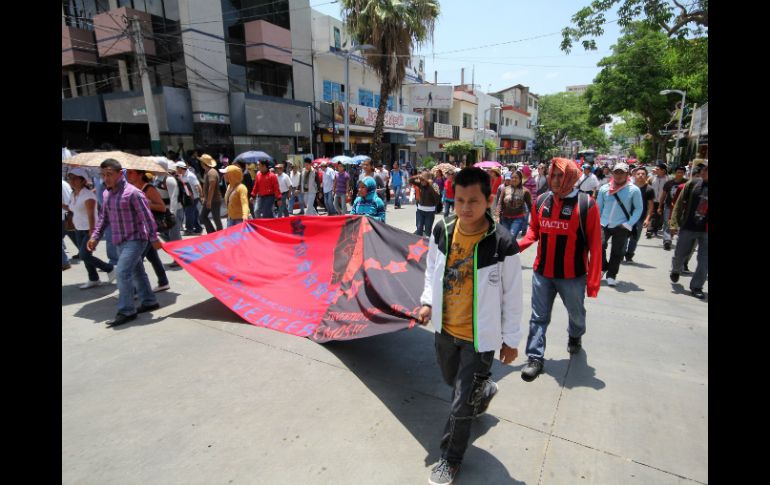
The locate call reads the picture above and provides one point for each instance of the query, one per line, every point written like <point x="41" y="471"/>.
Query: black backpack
<point x="182" y="197"/>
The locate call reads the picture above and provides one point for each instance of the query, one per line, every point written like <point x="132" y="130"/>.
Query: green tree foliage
<point x="393" y="27"/>
<point x="564" y="117"/>
<point x="674" y="17"/>
<point x="491" y="147"/>
<point x="458" y="148"/>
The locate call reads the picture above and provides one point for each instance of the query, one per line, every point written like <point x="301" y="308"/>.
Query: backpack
<point x="584" y="203"/>
<point x="182" y="197"/>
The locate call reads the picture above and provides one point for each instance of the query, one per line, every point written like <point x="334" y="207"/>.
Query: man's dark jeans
<point x="215" y="212"/>
<point x="467" y="372"/>
<point x="619" y="236"/>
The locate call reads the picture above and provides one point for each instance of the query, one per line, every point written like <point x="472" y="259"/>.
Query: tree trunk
<point x="379" y="125"/>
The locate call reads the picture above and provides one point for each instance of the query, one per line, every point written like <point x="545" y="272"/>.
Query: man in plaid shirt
<point x="127" y="211"/>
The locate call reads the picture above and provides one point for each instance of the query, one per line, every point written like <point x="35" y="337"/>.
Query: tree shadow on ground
<point x="401" y="370"/>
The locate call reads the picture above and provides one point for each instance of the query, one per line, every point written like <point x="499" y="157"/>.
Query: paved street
<point x="192" y="394"/>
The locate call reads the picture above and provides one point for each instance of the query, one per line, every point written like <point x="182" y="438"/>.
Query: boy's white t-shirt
<point x="79" y="210"/>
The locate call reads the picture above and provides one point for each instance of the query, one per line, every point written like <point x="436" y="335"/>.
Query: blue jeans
<point x="329" y="203"/>
<point x="131" y="275"/>
<point x="157" y="265"/>
<point x="283" y="210"/>
<point x="633" y="238"/>
<point x="397" y="195"/>
<point x="112" y="250"/>
<point x="467" y="371"/>
<point x="266" y="203"/>
<point x="666" y="217"/>
<point x="91" y="262"/>
<point x="191" y="218"/>
<point x="299" y="197"/>
<point x="341" y="203"/>
<point x="424" y="222"/>
<point x="232" y="222"/>
<point x="514" y="225"/>
<point x="572" y="292"/>
<point x="447" y="204"/>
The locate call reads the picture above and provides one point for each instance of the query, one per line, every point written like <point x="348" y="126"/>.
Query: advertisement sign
<point x="366" y="116"/>
<point x="211" y="117"/>
<point x="431" y="96"/>
<point x="441" y="130"/>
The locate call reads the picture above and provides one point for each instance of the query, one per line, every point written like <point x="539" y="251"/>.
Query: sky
<point x="464" y="25"/>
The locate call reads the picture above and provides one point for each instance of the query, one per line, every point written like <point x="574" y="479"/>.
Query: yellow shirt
<point x="458" y="284"/>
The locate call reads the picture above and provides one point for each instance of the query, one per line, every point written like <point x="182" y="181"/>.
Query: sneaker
<point x="574" y="345"/>
<point x="674" y="277"/>
<point x="604" y="275"/>
<point x="611" y="282"/>
<point x="112" y="276"/>
<point x="491" y="390"/>
<point x="89" y="284"/>
<point x="533" y="369"/>
<point x="161" y="288"/>
<point x="629" y="258"/>
<point x="698" y="293"/>
<point x="443" y="473"/>
<point x="65" y="267"/>
<point x="686" y="270"/>
<point x="667" y="245"/>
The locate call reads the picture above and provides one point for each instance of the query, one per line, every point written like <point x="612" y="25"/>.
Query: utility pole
<point x="146" y="87"/>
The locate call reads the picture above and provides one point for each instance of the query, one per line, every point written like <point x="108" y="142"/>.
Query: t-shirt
<point x="458" y="284"/>
<point x="284" y="182"/>
<point x="212" y="175"/>
<point x="79" y="210"/>
<point x="587" y="184"/>
<point x="648" y="194"/>
<point x="669" y="188"/>
<point x="698" y="211"/>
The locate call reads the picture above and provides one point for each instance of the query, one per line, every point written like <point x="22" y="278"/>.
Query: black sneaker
<point x="667" y="245"/>
<point x="698" y="293"/>
<point x="629" y="258"/>
<point x="443" y="473"/>
<point x="674" y="277"/>
<point x="533" y="369"/>
<point x="574" y="345"/>
<point x="686" y="270"/>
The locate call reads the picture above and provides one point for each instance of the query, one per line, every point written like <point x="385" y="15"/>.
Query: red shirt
<point x="449" y="190"/>
<point x="562" y="252"/>
<point x="266" y="184"/>
<point x="496" y="184"/>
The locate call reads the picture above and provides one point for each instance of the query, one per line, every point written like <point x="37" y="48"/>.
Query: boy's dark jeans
<point x="466" y="371"/>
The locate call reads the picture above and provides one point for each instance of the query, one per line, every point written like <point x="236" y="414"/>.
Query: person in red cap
<point x="569" y="260"/>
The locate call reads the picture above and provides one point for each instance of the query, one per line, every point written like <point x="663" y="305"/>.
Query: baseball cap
<point x="620" y="166"/>
<point x="585" y="165"/>
<point x="507" y="176"/>
<point x="79" y="172"/>
<point x="662" y="165"/>
<point x="181" y="165"/>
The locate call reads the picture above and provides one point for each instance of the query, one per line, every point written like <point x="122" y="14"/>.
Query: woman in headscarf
<point x="236" y="196"/>
<point x="514" y="202"/>
<point x="368" y="203"/>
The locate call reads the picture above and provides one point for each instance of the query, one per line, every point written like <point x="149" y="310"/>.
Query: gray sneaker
<point x="533" y="369"/>
<point x="490" y="391"/>
<point x="443" y="473"/>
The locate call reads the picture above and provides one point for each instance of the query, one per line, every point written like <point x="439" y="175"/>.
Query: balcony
<point x="440" y="130"/>
<point x="267" y="42"/>
<point x="517" y="132"/>
<point x="78" y="47"/>
<point x="113" y="34"/>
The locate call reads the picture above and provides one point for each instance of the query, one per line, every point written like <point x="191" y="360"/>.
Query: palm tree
<point x="392" y="27"/>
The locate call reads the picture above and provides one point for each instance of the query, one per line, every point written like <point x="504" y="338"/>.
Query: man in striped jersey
<point x="569" y="258"/>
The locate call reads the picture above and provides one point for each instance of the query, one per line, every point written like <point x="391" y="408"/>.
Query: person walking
<point x="341" y="184"/>
<point x="657" y="181"/>
<point x="308" y="187"/>
<point x="398" y="176"/>
<point x="426" y="206"/>
<point x="192" y="189"/>
<point x="236" y="196"/>
<point x="296" y="193"/>
<point x="513" y="202"/>
<point x="620" y="206"/>
<point x="449" y="193"/>
<point x="284" y="185"/>
<point x="212" y="198"/>
<point x="267" y="188"/>
<point x="648" y="197"/>
<point x="565" y="222"/>
<point x="329" y="175"/>
<point x="690" y="218"/>
<point x="666" y="203"/>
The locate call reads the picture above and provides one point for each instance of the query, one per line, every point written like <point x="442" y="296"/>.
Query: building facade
<point x="517" y="126"/>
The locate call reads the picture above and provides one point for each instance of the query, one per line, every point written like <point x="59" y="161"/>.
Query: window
<point x="391" y="102"/>
<point x="530" y="102"/>
<point x="337" y="37"/>
<point x="270" y="79"/>
<point x="467" y="120"/>
<point x="443" y="117"/>
<point x="365" y="98"/>
<point x="515" y="122"/>
<point x="332" y="91"/>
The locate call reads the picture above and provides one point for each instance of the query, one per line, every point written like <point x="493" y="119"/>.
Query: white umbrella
<point x="127" y="160"/>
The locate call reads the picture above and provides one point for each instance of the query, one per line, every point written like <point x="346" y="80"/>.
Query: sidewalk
<point x="191" y="394"/>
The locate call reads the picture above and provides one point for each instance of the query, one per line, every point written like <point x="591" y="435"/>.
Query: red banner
<point x="325" y="278"/>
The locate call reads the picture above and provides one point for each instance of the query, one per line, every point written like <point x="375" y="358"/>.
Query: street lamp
<point x="362" y="47"/>
<point x="681" y="112"/>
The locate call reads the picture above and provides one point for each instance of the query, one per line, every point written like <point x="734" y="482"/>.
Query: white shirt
<point x="66" y="193"/>
<point x="657" y="184"/>
<point x="173" y="193"/>
<point x="284" y="182"/>
<point x="590" y="185"/>
<point x="80" y="212"/>
<point x="192" y="181"/>
<point x="294" y="177"/>
<point x="329" y="176"/>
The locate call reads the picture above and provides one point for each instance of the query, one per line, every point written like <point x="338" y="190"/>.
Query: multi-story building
<point x="331" y="45"/>
<point x="519" y="117"/>
<point x="226" y="75"/>
<point x="579" y="89"/>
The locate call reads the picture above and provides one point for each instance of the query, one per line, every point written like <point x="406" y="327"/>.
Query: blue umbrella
<point x="361" y="158"/>
<point x="345" y="160"/>
<point x="255" y="157"/>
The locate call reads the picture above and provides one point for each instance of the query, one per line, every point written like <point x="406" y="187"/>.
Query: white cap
<point x="181" y="165"/>
<point x="79" y="172"/>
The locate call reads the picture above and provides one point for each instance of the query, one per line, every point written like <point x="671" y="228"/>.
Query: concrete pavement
<point x="192" y="394"/>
